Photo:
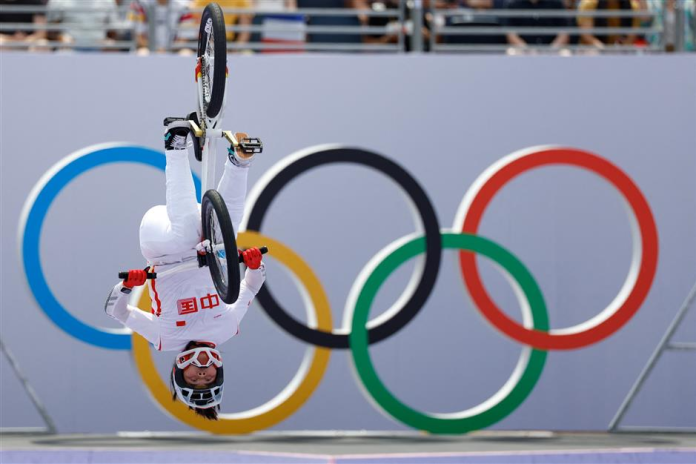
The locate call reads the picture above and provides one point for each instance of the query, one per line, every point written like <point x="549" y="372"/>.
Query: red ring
<point x="646" y="223"/>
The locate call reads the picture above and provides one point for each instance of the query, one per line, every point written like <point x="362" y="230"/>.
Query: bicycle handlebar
<point x="124" y="275"/>
<point x="153" y="275"/>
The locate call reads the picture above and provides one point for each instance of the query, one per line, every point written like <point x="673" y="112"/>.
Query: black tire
<point x="216" y="69"/>
<point x="198" y="142"/>
<point x="223" y="260"/>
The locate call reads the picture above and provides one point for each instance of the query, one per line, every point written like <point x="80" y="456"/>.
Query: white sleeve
<point x="144" y="324"/>
<point x="239" y="308"/>
<point x="233" y="187"/>
<point x="138" y="321"/>
<point x="250" y="286"/>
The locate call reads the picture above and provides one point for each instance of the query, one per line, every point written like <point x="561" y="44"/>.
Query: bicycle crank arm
<point x="230" y="138"/>
<point x="196" y="129"/>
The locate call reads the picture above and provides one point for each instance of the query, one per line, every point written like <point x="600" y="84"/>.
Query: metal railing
<point x="54" y="34"/>
<point x="480" y="24"/>
<point x="308" y="29"/>
<point x="410" y="27"/>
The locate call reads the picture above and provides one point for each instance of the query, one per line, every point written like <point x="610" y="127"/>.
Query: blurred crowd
<point x="151" y="26"/>
<point x="640" y="23"/>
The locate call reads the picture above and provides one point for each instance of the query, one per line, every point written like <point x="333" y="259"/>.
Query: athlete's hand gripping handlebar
<point x="263" y="251"/>
<point x="124" y="275"/>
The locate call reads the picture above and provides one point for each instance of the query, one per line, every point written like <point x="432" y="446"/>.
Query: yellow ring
<point x="287" y="401"/>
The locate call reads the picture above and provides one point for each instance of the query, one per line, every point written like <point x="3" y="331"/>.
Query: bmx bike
<point x="218" y="250"/>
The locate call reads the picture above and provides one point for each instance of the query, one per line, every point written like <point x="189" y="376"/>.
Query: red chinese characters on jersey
<point x="187" y="306"/>
<point x="190" y="305"/>
<point x="210" y="301"/>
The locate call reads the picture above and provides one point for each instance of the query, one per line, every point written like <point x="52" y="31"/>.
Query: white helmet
<point x="198" y="398"/>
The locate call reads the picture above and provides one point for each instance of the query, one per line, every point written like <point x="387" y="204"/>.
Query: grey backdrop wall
<point x="445" y="119"/>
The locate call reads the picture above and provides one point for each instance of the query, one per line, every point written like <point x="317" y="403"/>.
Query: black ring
<point x="430" y="225"/>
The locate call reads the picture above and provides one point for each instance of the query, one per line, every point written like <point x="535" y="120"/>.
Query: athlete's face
<point x="200" y="376"/>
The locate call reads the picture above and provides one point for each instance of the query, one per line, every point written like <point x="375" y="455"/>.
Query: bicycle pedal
<point x="171" y="119"/>
<point x="251" y="145"/>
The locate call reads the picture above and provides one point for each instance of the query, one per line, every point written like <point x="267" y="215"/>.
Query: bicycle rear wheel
<point x="212" y="55"/>
<point x="222" y="258"/>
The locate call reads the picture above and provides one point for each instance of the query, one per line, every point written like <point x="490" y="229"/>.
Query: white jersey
<point x="185" y="307"/>
<point x="185" y="303"/>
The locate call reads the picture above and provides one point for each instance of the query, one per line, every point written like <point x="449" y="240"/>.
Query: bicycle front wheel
<point x="212" y="56"/>
<point x="222" y="258"/>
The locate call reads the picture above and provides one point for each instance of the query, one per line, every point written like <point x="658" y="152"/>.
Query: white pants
<point x="170" y="233"/>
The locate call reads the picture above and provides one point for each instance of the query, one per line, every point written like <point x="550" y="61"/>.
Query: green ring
<point x="458" y="422"/>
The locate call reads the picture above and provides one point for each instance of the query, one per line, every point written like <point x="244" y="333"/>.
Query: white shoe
<point x="176" y="135"/>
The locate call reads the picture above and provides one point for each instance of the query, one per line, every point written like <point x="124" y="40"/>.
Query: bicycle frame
<point x="186" y="265"/>
<point x="210" y="133"/>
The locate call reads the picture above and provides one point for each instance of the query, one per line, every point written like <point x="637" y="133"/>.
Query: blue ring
<point x="32" y="235"/>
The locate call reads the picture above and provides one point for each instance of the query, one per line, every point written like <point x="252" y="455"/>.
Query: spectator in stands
<point x="392" y="35"/>
<point x="28" y="36"/>
<point x="602" y="40"/>
<point x="328" y="21"/>
<point x="521" y="22"/>
<point x="278" y="26"/>
<point x="482" y="4"/>
<point x="231" y="19"/>
<point x="123" y="25"/>
<point x="392" y="24"/>
<point x="476" y="19"/>
<point x="665" y="17"/>
<point x="86" y="23"/>
<point x="572" y="5"/>
<point x="275" y="5"/>
<point x="166" y="16"/>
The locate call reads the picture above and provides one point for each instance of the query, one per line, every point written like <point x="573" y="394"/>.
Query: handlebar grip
<point x="124" y="275"/>
<point x="263" y="251"/>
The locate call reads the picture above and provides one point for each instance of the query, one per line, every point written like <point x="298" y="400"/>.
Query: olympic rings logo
<point x="534" y="333"/>
<point x="31" y="223"/>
